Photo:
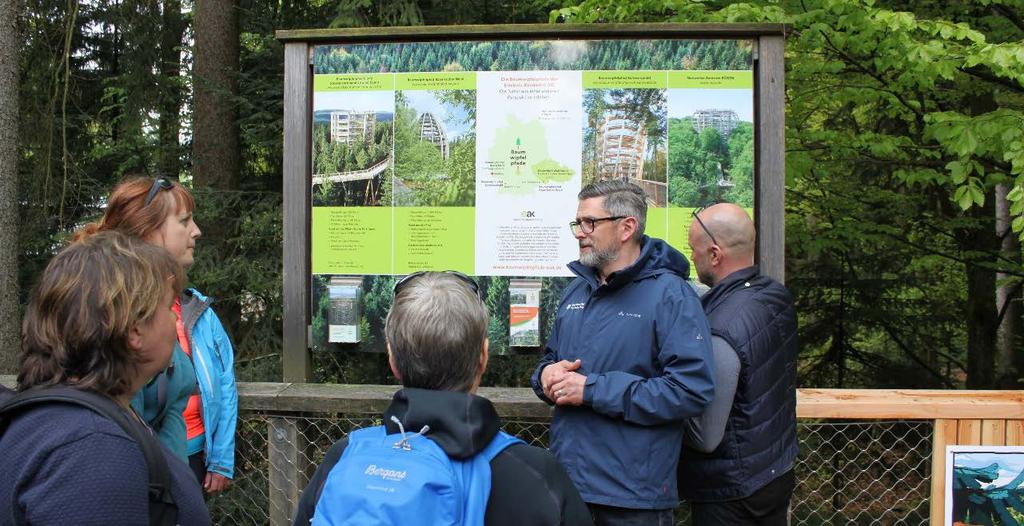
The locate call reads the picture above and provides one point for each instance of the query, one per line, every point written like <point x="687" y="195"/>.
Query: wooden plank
<point x="289" y="468"/>
<point x="519" y="402"/>
<point x="945" y="433"/>
<point x="857" y="404"/>
<point x="926" y="404"/>
<point x="529" y="31"/>
<point x="770" y="156"/>
<point x="968" y="432"/>
<point x="1015" y="432"/>
<point x="297" y="167"/>
<point x="993" y="432"/>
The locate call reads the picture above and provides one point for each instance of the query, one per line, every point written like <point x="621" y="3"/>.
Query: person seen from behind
<point x="437" y="343"/>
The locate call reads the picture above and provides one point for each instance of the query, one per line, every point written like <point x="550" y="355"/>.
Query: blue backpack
<point x="395" y="479"/>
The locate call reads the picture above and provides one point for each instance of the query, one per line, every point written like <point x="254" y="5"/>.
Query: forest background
<point x="905" y="163"/>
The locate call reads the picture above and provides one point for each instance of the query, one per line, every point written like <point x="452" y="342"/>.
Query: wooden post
<point x="945" y="434"/>
<point x="298" y="84"/>
<point x="289" y="467"/>
<point x="771" y="156"/>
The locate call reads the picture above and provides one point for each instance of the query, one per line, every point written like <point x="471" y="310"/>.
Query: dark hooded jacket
<point x="528" y="486"/>
<point x="645" y="348"/>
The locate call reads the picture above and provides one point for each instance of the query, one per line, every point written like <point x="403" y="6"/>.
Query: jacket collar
<point x="461" y="423"/>
<point x="656" y="257"/>
<point x="193" y="304"/>
<point x="722" y="289"/>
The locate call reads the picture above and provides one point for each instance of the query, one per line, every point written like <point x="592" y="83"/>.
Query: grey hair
<point x="621" y="198"/>
<point x="436" y="330"/>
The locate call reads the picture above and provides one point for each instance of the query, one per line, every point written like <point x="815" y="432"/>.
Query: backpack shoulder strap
<point x="162" y="508"/>
<point x="477" y="481"/>
<point x="498" y="444"/>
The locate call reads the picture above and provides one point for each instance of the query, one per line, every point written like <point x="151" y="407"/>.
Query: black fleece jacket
<point x="528" y="486"/>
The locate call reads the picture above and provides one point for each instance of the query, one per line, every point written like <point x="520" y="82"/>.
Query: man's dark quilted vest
<point x="755" y="315"/>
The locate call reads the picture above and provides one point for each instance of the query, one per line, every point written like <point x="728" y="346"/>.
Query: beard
<point x="598" y="258"/>
<point x="706" y="278"/>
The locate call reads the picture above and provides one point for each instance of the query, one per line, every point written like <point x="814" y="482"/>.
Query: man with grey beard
<point x="628" y="359"/>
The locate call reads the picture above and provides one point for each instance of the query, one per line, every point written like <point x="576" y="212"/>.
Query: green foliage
<point x="241" y="270"/>
<point x="899" y="126"/>
<point x="699" y="163"/>
<point x="527" y="55"/>
<point x="426" y="178"/>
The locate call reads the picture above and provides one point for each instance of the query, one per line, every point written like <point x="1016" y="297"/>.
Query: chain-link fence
<point x="848" y="472"/>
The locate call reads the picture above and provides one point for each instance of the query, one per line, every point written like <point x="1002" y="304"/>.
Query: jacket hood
<point x="656" y="257"/>
<point x="461" y="423"/>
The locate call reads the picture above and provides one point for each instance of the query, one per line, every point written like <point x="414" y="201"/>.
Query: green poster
<point x="434" y="238"/>
<point x="436" y="81"/>
<point x="624" y="79"/>
<point x="719" y="79"/>
<point x="351" y="240"/>
<point x="656" y="222"/>
<point x="354" y="82"/>
<point x="678" y="225"/>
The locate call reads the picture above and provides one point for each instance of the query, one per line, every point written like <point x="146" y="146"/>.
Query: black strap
<point x="162" y="509"/>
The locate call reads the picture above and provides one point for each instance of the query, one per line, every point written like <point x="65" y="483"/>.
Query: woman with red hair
<point x="193" y="404"/>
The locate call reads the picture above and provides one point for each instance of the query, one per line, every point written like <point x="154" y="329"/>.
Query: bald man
<point x="736" y="467"/>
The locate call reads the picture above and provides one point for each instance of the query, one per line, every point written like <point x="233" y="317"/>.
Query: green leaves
<point x="969" y="194"/>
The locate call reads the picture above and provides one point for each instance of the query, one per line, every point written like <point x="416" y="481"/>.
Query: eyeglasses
<point x="470" y="282"/>
<point x="587" y="225"/>
<point x="702" y="225"/>
<point x="158" y="184"/>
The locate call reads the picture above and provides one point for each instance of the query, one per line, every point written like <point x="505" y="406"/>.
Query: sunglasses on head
<point x="702" y="225"/>
<point x="158" y="184"/>
<point x="470" y="282"/>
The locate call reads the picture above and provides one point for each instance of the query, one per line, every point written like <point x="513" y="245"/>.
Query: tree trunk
<point x="981" y="296"/>
<point x="10" y="312"/>
<point x="170" y="97"/>
<point x="215" y="147"/>
<point x="1008" y="298"/>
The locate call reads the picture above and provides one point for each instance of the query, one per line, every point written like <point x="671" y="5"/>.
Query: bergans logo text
<point x="575" y="306"/>
<point x="386" y="474"/>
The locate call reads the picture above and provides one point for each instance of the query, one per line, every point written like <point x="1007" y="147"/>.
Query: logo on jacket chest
<point x="575" y="306"/>
<point x="625" y="314"/>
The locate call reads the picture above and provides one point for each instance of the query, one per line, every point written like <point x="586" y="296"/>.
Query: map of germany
<point x="519" y="157"/>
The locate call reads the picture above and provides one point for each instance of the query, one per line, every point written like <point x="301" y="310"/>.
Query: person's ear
<point x="135" y="337"/>
<point x="484" y="357"/>
<point x="391" y="363"/>
<point x="716" y="253"/>
<point x="629" y="226"/>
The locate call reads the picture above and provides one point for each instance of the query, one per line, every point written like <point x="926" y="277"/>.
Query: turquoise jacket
<point x="213" y="366"/>
<point x="162" y="401"/>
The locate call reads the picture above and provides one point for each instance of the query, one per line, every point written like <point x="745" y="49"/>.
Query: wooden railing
<point x="957" y="417"/>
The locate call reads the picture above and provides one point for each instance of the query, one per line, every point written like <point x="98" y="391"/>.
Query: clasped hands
<point x="562" y="384"/>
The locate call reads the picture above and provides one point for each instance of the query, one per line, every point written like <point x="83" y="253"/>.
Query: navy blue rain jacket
<point x="645" y="348"/>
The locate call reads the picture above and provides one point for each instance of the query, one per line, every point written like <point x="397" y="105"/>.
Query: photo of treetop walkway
<point x="356" y="175"/>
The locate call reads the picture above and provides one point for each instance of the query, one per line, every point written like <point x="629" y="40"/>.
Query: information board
<point x="469" y="155"/>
